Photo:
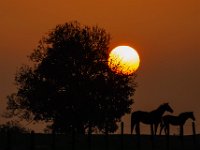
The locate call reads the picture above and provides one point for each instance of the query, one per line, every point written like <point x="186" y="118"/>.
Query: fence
<point x="9" y="141"/>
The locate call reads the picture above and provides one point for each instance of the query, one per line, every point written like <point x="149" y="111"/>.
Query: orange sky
<point x="165" y="33"/>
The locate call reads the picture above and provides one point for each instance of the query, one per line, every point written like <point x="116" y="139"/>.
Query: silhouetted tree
<point x="70" y="82"/>
<point x="13" y="127"/>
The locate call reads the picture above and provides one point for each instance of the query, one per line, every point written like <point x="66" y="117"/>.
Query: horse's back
<point x="141" y="116"/>
<point x="139" y="113"/>
<point x="170" y="119"/>
<point x="167" y="117"/>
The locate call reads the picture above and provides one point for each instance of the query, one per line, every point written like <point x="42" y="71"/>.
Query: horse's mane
<point x="163" y="104"/>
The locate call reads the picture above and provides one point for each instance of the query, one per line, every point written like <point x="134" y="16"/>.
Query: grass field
<point x="96" y="142"/>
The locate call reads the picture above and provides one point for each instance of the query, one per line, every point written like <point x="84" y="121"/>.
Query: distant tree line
<point x="13" y="127"/>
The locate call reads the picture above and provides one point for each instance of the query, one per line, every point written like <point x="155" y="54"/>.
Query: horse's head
<point x="167" y="107"/>
<point x="191" y="115"/>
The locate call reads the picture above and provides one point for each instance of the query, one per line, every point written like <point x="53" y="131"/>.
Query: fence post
<point x="122" y="135"/>
<point x="32" y="141"/>
<point x="167" y="137"/>
<point x="90" y="137"/>
<point x="181" y="137"/>
<point x="194" y="132"/>
<point x="181" y="133"/>
<point x="137" y="129"/>
<point x="53" y="140"/>
<point x="8" y="135"/>
<point x="152" y="136"/>
<point x="106" y="138"/>
<point x="73" y="139"/>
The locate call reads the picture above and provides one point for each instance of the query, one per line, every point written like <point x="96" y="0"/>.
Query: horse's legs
<point x="151" y="129"/>
<point x="161" y="127"/>
<point x="132" y="127"/>
<point x="181" y="130"/>
<point x="156" y="128"/>
<point x="132" y="123"/>
<point x="168" y="129"/>
<point x="137" y="129"/>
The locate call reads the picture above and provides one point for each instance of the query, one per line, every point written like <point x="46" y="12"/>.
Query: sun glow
<point x="123" y="60"/>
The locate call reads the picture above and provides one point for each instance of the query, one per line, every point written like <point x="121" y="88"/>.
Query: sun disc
<point x="123" y="60"/>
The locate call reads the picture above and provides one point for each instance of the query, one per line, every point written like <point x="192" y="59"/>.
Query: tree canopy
<point x="70" y="84"/>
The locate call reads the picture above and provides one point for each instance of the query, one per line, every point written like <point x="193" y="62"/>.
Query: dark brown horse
<point x="152" y="118"/>
<point x="176" y="121"/>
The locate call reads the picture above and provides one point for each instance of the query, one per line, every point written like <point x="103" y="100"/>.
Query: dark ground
<point x="98" y="142"/>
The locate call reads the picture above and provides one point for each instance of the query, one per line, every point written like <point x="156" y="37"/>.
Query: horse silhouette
<point x="152" y="118"/>
<point x="176" y="121"/>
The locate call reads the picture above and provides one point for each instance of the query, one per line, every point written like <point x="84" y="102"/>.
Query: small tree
<point x="70" y="82"/>
<point x="13" y="127"/>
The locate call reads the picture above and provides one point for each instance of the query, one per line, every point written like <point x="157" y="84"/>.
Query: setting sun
<point x="124" y="59"/>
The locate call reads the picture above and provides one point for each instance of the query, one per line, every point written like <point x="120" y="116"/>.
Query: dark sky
<point x="165" y="33"/>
